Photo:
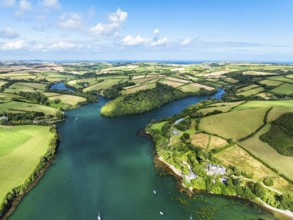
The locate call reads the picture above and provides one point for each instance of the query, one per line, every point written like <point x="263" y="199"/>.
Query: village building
<point x="215" y="170"/>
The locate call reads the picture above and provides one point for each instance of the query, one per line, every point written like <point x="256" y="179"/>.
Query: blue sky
<point x="254" y="30"/>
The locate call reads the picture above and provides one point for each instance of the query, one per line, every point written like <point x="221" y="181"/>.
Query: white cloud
<point x="118" y="17"/>
<point x="71" y="21"/>
<point x="13" y="45"/>
<point x="8" y="3"/>
<point x="186" y="41"/>
<point x="130" y="40"/>
<point x="25" y="5"/>
<point x="62" y="45"/>
<point x="115" y="21"/>
<point x="156" y="31"/>
<point x="160" y="42"/>
<point x="51" y="3"/>
<point x="9" y="33"/>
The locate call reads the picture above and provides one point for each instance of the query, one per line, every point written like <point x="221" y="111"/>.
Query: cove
<point x="103" y="166"/>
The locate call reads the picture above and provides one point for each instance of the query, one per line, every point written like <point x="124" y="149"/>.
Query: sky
<point x="190" y="30"/>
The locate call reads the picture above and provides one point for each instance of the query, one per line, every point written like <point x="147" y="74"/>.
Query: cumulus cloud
<point x="130" y="40"/>
<point x="115" y="21"/>
<point x="62" y="45"/>
<point x="118" y="17"/>
<point x="13" y="45"/>
<point x="51" y="3"/>
<point x="156" y="31"/>
<point x="71" y="21"/>
<point x="160" y="42"/>
<point x="9" y="33"/>
<point x="186" y="41"/>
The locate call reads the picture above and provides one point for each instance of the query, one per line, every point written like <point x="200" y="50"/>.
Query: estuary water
<point x="102" y="166"/>
<point x="60" y="86"/>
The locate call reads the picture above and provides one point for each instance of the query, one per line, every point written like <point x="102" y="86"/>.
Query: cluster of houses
<point x="215" y="170"/>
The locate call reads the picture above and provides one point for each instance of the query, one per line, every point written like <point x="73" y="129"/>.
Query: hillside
<point x="216" y="146"/>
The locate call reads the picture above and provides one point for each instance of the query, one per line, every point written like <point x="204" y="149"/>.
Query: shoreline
<point x="284" y="213"/>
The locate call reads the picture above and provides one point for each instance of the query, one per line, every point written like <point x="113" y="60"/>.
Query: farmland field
<point x="172" y="83"/>
<point x="282" y="79"/>
<point x="233" y="124"/>
<point x="238" y="157"/>
<point x="102" y="85"/>
<point x="264" y="104"/>
<point x="134" y="89"/>
<point x="271" y="82"/>
<point x="251" y="92"/>
<point x="68" y="99"/>
<point x="286" y="89"/>
<point x="283" y="164"/>
<point x="26" y="87"/>
<point x="20" y="152"/>
<point x="24" y="107"/>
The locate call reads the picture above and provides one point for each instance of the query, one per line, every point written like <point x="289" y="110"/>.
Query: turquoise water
<point x="60" y="86"/>
<point x="103" y="166"/>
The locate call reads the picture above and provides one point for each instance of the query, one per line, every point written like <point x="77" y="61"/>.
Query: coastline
<point x="284" y="213"/>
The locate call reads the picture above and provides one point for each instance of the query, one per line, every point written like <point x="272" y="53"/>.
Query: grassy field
<point x="134" y="89"/>
<point x="102" y="85"/>
<point x="24" y="107"/>
<point x="270" y="82"/>
<point x="189" y="88"/>
<point x="223" y="106"/>
<point x="258" y="73"/>
<point x="269" y="155"/>
<point x="229" y="80"/>
<point x="207" y="141"/>
<point x="68" y="99"/>
<point x="281" y="78"/>
<point x="2" y="83"/>
<point x="239" y="158"/>
<point x="285" y="89"/>
<point x="247" y="88"/>
<point x="194" y="87"/>
<point x="26" y="87"/>
<point x="251" y="92"/>
<point x="17" y="76"/>
<point x="233" y="124"/>
<point x="172" y="83"/>
<point x="20" y="152"/>
<point x="264" y="104"/>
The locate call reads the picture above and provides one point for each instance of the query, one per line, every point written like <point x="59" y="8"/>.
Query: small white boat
<point x="99" y="216"/>
<point x="76" y="118"/>
<point x="155" y="192"/>
<point x="161" y="213"/>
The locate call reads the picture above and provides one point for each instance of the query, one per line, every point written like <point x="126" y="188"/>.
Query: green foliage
<point x="257" y="189"/>
<point x="269" y="181"/>
<point x="114" y="91"/>
<point x="184" y="125"/>
<point x="280" y="135"/>
<point x="35" y="97"/>
<point x="199" y="183"/>
<point x="142" y="101"/>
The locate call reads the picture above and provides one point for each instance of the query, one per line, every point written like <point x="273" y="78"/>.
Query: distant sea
<point x="158" y="61"/>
